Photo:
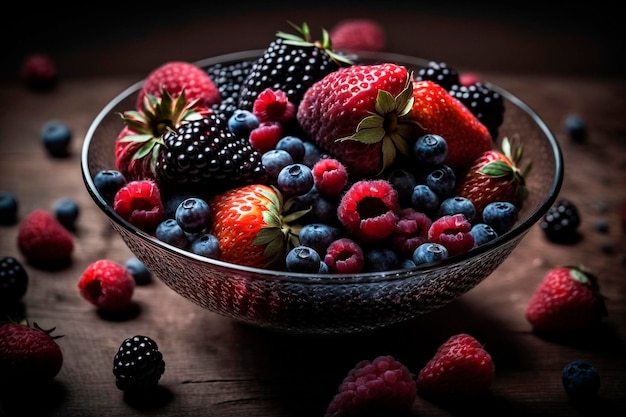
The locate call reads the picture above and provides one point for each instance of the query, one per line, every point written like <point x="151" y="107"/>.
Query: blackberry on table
<point x="138" y="364"/>
<point x="484" y="102"/>
<point x="13" y="281"/>
<point x="560" y="223"/>
<point x="440" y="73"/>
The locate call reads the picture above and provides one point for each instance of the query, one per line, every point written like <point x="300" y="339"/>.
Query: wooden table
<point x="216" y="367"/>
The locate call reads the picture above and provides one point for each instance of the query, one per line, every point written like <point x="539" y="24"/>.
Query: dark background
<point x="108" y="38"/>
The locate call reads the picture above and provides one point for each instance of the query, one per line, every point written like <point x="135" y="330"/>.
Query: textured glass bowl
<point x="328" y="304"/>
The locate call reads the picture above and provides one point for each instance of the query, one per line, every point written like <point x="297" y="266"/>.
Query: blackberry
<point x="13" y="281"/>
<point x="138" y="364"/>
<point x="484" y="102"/>
<point x="228" y="79"/>
<point x="204" y="152"/>
<point x="292" y="64"/>
<point x="440" y="73"/>
<point x="560" y="223"/>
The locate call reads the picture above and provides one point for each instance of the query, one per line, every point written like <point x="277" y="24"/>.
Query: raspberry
<point x="264" y="137"/>
<point x="42" y="239"/>
<point x="381" y="387"/>
<point x="344" y="256"/>
<point x="139" y="203"/>
<point x="410" y="232"/>
<point x="369" y="209"/>
<point x="273" y="106"/>
<point x="107" y="285"/>
<point x="39" y="72"/>
<point x="358" y="34"/>
<point x="460" y="369"/>
<point x="453" y="232"/>
<point x="330" y="176"/>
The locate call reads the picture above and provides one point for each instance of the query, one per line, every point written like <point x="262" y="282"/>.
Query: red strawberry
<point x="249" y="225"/>
<point x="28" y="354"/>
<point x="358" y="35"/>
<point x="438" y="112"/>
<point x="178" y="76"/>
<point x="568" y="299"/>
<point x="361" y="115"/>
<point x="495" y="176"/>
<point x="42" y="238"/>
<point x="460" y="369"/>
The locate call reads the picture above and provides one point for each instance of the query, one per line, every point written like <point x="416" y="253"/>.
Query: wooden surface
<point x="215" y="367"/>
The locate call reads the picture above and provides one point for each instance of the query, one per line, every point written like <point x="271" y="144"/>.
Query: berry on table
<point x="358" y="35"/>
<point x="9" y="207"/>
<point x="39" y="72"/>
<point x="107" y="285"/>
<point x="576" y="128"/>
<point x="560" y="223"/>
<point x="56" y="137"/>
<point x="43" y="240"/>
<point x="108" y="182"/>
<point x="13" y="281"/>
<point x="138" y="270"/>
<point x="66" y="211"/>
<point x="138" y="364"/>
<point x="581" y="379"/>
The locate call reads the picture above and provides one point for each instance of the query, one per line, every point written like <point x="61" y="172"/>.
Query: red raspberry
<point x="469" y="78"/>
<point x="344" y="256"/>
<point x="176" y="76"/>
<point x="274" y="106"/>
<point x="381" y="387"/>
<point x="369" y="209"/>
<point x="330" y="176"/>
<point x="358" y="34"/>
<point x="453" y="232"/>
<point x="107" y="285"/>
<point x="139" y="203"/>
<point x="42" y="239"/>
<point x="411" y="231"/>
<point x="460" y="369"/>
<point x="265" y="137"/>
<point x="39" y="72"/>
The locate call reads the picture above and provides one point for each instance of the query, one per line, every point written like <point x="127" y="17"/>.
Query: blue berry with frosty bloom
<point x="303" y="259"/>
<point x="193" y="215"/>
<point x="294" y="145"/>
<point x="139" y="271"/>
<point x="8" y="208"/>
<point x="500" y="215"/>
<point x="295" y="179"/>
<point x="318" y="236"/>
<point x="441" y="180"/>
<point x="206" y="245"/>
<point x="66" y="211"/>
<point x="404" y="182"/>
<point x="56" y="137"/>
<point x="275" y="160"/>
<point x="169" y="231"/>
<point x="482" y="233"/>
<point x="580" y="379"/>
<point x="458" y="205"/>
<point x="430" y="150"/>
<point x="379" y="259"/>
<point x="312" y="153"/>
<point x="424" y="199"/>
<point x="108" y="182"/>
<point x="241" y="123"/>
<point x="428" y="253"/>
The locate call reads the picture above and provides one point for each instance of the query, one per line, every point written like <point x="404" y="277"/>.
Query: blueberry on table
<point x="580" y="379"/>
<point x="66" y="210"/>
<point x="56" y="137"/>
<point x="8" y="208"/>
<point x="139" y="271"/>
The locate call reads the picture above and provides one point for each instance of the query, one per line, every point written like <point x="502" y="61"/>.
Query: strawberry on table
<point x="361" y="115"/>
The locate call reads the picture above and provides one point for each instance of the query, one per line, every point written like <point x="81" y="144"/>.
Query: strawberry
<point x="42" y="239"/>
<point x="439" y="113"/>
<point x="358" y="35"/>
<point x="177" y="77"/>
<point x="495" y="176"/>
<point x="140" y="142"/>
<point x="249" y="225"/>
<point x="361" y="115"/>
<point x="568" y="299"/>
<point x="460" y="369"/>
<point x="28" y="354"/>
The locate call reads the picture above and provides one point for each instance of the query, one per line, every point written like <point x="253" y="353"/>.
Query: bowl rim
<point x="517" y="232"/>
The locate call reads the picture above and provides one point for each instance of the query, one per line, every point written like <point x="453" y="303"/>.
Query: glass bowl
<point x="328" y="304"/>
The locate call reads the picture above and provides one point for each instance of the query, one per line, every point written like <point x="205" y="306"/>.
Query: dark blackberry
<point x="291" y="64"/>
<point x="13" y="281"/>
<point x="560" y="223"/>
<point x="204" y="152"/>
<point x="484" y="102"/>
<point x="138" y="364"/>
<point x="440" y="73"/>
<point x="228" y="79"/>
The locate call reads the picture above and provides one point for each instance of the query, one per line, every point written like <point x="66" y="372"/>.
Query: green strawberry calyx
<point x="502" y="169"/>
<point x="584" y="277"/>
<point x="391" y="123"/>
<point x="305" y="40"/>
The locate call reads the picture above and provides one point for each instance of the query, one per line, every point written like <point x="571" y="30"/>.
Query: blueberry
<point x="404" y="182"/>
<point x="140" y="272"/>
<point x="312" y="154"/>
<point x="321" y="209"/>
<point x="8" y="208"/>
<point x="429" y="252"/>
<point x="430" y="150"/>
<point x="483" y="233"/>
<point x="441" y="180"/>
<point x="295" y="179"/>
<point x="458" y="205"/>
<point x="580" y="379"/>
<point x="241" y="123"/>
<point x="56" y="137"/>
<point x="318" y="236"/>
<point x="381" y="259"/>
<point x="206" y="245"/>
<point x="576" y="128"/>
<point x="294" y="145"/>
<point x="66" y="211"/>
<point x="108" y="182"/>
<point x="193" y="215"/>
<point x="275" y="160"/>
<point x="424" y="199"/>
<point x="303" y="259"/>
<point x="500" y="215"/>
<point x="169" y="231"/>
